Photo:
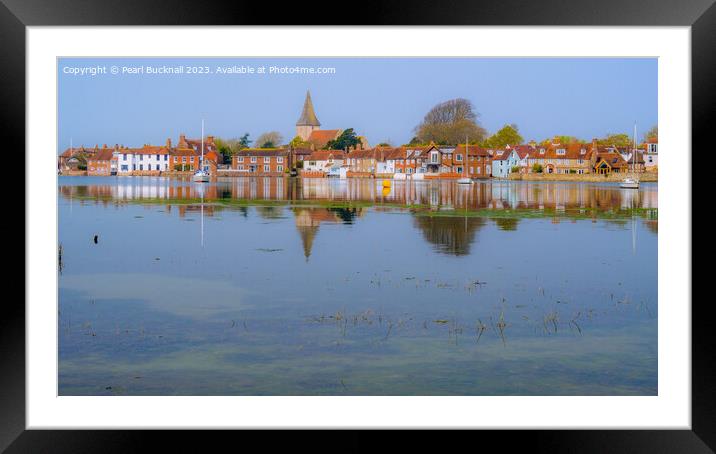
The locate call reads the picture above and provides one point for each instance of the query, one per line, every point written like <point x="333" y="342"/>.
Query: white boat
<point x="464" y="180"/>
<point x="201" y="175"/>
<point x="631" y="182"/>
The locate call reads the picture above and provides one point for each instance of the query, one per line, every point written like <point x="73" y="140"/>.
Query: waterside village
<point x="313" y="158"/>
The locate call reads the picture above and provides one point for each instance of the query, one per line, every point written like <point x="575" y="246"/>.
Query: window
<point x="279" y="168"/>
<point x="478" y="170"/>
<point x="124" y="156"/>
<point x="279" y="159"/>
<point x="183" y="159"/>
<point x="241" y="167"/>
<point x="157" y="166"/>
<point x="166" y="156"/>
<point x="141" y="166"/>
<point x="141" y="157"/>
<point x="159" y="157"/>
<point x="124" y="167"/>
<point x="253" y="158"/>
<point x="267" y="168"/>
<point x="434" y="158"/>
<point x="134" y="166"/>
<point x="267" y="159"/>
<point x="459" y="170"/>
<point x="561" y="151"/>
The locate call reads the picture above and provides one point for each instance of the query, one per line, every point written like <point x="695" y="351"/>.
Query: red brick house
<point x="101" y="163"/>
<point x="262" y="161"/>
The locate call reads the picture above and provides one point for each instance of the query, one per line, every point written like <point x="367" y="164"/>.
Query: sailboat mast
<point x="633" y="152"/>
<point x="202" y="144"/>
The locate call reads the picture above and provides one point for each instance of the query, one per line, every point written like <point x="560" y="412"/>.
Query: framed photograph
<point x="475" y="219"/>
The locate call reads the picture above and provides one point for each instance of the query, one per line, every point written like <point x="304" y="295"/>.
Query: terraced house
<point x="503" y="161"/>
<point x="147" y="160"/>
<point x="103" y="163"/>
<point x="559" y="158"/>
<point x="457" y="162"/>
<point x="262" y="161"/>
<point x="362" y="163"/>
<point x="321" y="162"/>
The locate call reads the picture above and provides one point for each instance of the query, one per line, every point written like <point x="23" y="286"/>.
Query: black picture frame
<point x="16" y="15"/>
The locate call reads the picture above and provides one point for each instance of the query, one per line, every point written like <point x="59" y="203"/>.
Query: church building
<point x="308" y="128"/>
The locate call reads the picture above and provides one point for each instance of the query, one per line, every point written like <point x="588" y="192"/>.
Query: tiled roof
<point x="473" y="150"/>
<point x="263" y="152"/>
<point x="613" y="159"/>
<point x="362" y="154"/>
<point x="147" y="149"/>
<point x="184" y="152"/>
<point x="104" y="155"/>
<point x="308" y="115"/>
<point x="320" y="137"/>
<point x="325" y="155"/>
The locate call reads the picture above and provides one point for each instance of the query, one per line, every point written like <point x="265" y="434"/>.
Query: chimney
<point x="209" y="139"/>
<point x="169" y="143"/>
<point x="182" y="139"/>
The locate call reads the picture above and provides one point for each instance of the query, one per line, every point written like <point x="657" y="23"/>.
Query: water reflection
<point x="440" y="195"/>
<point x="346" y="287"/>
<point x="449" y="235"/>
<point x="275" y="198"/>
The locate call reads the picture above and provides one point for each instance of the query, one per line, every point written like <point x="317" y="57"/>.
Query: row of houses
<point x="421" y="162"/>
<point x="434" y="161"/>
<point x="145" y="160"/>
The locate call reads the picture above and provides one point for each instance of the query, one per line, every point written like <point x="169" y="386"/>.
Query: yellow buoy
<point x="386" y="183"/>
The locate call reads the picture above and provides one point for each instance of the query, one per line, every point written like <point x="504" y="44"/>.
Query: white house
<point x="323" y="160"/>
<point x="148" y="159"/>
<point x="503" y="161"/>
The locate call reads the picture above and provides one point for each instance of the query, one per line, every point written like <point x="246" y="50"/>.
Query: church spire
<point x="308" y="115"/>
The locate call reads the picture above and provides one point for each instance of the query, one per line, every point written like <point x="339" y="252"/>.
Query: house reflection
<point x="450" y="235"/>
<point x="274" y="198"/>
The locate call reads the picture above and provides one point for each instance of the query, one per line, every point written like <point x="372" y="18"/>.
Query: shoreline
<point x="647" y="177"/>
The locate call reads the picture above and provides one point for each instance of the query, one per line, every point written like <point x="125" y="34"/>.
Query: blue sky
<point x="381" y="98"/>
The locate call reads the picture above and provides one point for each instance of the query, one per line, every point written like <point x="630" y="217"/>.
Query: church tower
<point x="308" y="121"/>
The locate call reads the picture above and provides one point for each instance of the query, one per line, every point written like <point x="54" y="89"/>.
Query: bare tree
<point x="450" y="122"/>
<point x="269" y="139"/>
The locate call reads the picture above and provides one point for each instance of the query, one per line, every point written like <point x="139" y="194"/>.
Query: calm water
<point x="268" y="286"/>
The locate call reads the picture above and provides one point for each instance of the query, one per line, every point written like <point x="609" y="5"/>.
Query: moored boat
<point x="201" y="175"/>
<point x="629" y="183"/>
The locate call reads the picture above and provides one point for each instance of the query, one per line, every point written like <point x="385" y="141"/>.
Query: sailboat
<point x="632" y="181"/>
<point x="201" y="175"/>
<point x="465" y="179"/>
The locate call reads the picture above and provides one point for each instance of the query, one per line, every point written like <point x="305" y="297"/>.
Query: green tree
<point x="652" y="133"/>
<point x="508" y="135"/>
<point x="617" y="140"/>
<point x="347" y="140"/>
<point x="269" y="139"/>
<point x="537" y="168"/>
<point x="568" y="139"/>
<point x="449" y="123"/>
<point x="244" y="141"/>
<point x="298" y="142"/>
